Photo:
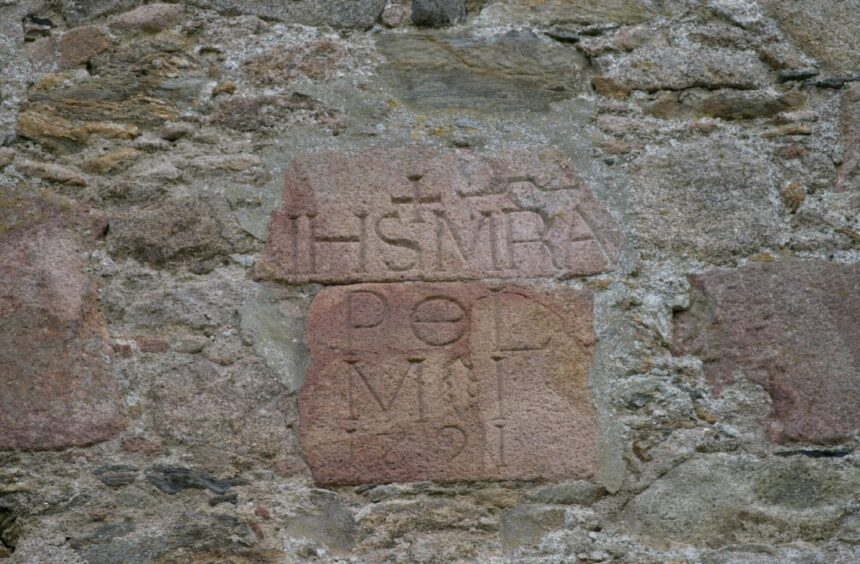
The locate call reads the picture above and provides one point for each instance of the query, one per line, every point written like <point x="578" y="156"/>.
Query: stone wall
<point x="430" y="281"/>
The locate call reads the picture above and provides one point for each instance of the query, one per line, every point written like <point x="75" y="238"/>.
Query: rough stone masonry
<point x="430" y="281"/>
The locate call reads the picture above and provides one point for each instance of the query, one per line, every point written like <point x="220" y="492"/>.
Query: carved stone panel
<point x="419" y="214"/>
<point x="448" y="381"/>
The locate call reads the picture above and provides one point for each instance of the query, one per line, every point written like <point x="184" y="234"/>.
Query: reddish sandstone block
<point x="56" y="387"/>
<point x="42" y="53"/>
<point x="420" y="214"/>
<point x="791" y="326"/>
<point x="149" y="17"/>
<point x="448" y="382"/>
<point x="71" y="49"/>
<point x="80" y="44"/>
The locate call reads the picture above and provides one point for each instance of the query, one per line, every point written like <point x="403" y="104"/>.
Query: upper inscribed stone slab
<point x="420" y="214"/>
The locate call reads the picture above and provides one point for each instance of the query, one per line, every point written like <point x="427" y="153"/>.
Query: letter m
<point x="357" y="375"/>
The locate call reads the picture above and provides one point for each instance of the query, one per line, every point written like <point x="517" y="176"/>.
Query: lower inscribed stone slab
<point x="448" y="381"/>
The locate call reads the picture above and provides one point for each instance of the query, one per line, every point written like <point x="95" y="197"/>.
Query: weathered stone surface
<point x="166" y="536"/>
<point x="6" y="157"/>
<point x="116" y="475"/>
<point x="790" y="326"/>
<point x="51" y="172"/>
<point x="150" y="17"/>
<point x="609" y="87"/>
<point x="42" y="53"/>
<point x="512" y="71"/>
<point x="56" y="388"/>
<point x="456" y="524"/>
<point x="239" y="409"/>
<point x="825" y="29"/>
<point x="579" y="492"/>
<point x="78" y="11"/>
<point x="708" y="198"/>
<point x="419" y="214"/>
<point x="527" y="524"/>
<point x="745" y="13"/>
<point x="726" y="104"/>
<point x="131" y="84"/>
<point x="146" y="305"/>
<point x="721" y="499"/>
<point x="182" y="130"/>
<point x="43" y="125"/>
<point x="17" y="70"/>
<point x="548" y="12"/>
<point x="267" y="112"/>
<point x="48" y="128"/>
<point x="111" y="162"/>
<point x="848" y="174"/>
<point x="277" y="334"/>
<point x="336" y="13"/>
<point x="317" y="60"/>
<point x="435" y="13"/>
<point x="327" y="521"/>
<point x="394" y="14"/>
<point x="181" y="230"/>
<point x="447" y="382"/>
<point x="677" y="68"/>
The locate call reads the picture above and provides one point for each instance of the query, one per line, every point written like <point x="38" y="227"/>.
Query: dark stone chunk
<point x="563" y="35"/>
<point x="40" y="21"/>
<point x="216" y="500"/>
<point x="836" y="82"/>
<point x="173" y="479"/>
<point x="36" y="27"/>
<point x="7" y="519"/>
<point x="116" y="475"/>
<point x="438" y="13"/>
<point x="814" y="453"/>
<point x="598" y="29"/>
<point x="796" y="74"/>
